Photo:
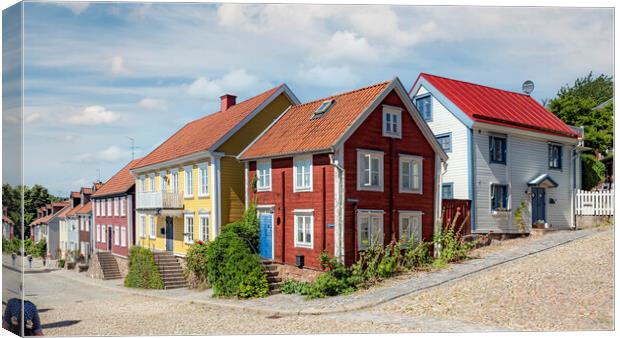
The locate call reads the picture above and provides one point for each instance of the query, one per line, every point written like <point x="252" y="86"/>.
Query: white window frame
<point x="152" y="225"/>
<point x="117" y="236"/>
<point x="304" y="213"/>
<point x="104" y="233"/>
<point x="411" y="159"/>
<point x="98" y="232"/>
<point x="188" y="182"/>
<point x="362" y="154"/>
<point x="391" y="112"/>
<point x="162" y="181"/>
<point x="98" y="208"/>
<point x="203" y="175"/>
<point x="202" y="218"/>
<point x="142" y="183"/>
<point x="410" y="215"/>
<point x="265" y="172"/>
<point x="116" y="207"/>
<point x="174" y="181"/>
<point x="123" y="237"/>
<point x="142" y="218"/>
<point x="376" y="214"/>
<point x="296" y="186"/>
<point x="109" y="207"/>
<point x="188" y="234"/>
<point x="103" y="206"/>
<point x="123" y="205"/>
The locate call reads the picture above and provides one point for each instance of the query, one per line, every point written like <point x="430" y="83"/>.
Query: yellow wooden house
<point x="192" y="184"/>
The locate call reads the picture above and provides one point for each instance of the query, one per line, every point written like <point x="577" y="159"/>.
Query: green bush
<point x="247" y="228"/>
<point x="292" y="286"/>
<point x="416" y="255"/>
<point x="233" y="270"/>
<point x="38" y="249"/>
<point x="593" y="171"/>
<point x="61" y="263"/>
<point x="196" y="268"/>
<point x="11" y="245"/>
<point x="143" y="271"/>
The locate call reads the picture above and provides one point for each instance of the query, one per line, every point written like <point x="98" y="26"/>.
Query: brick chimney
<point x="227" y="101"/>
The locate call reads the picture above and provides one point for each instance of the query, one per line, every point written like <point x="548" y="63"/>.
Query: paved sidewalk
<point x="293" y="305"/>
<point x="21" y="263"/>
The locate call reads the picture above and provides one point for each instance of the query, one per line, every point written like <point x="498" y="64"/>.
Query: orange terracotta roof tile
<point x="202" y="134"/>
<point x="73" y="211"/>
<point x="296" y="131"/>
<point x="85" y="209"/>
<point x="62" y="213"/>
<point x="75" y="194"/>
<point x="122" y="181"/>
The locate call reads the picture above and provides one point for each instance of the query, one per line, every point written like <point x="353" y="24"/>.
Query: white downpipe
<point x="437" y="221"/>
<point x="246" y="169"/>
<point x="339" y="176"/>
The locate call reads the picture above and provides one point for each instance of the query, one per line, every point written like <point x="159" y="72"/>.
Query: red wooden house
<point x="113" y="213"/>
<point x="341" y="173"/>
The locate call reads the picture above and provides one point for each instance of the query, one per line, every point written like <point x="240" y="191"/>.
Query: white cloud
<point x="32" y="118"/>
<point x="153" y="104"/>
<point x="94" y="115"/>
<point x="329" y="77"/>
<point x="344" y="46"/>
<point x="109" y="154"/>
<point x="76" y="7"/>
<point x="234" y="82"/>
<point x="117" y="65"/>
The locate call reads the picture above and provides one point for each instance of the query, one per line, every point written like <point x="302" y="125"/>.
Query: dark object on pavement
<point x="12" y="319"/>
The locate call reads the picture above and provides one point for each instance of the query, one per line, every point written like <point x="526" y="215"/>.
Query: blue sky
<point x="98" y="73"/>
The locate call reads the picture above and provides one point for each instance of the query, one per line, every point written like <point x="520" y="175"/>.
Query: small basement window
<point x="323" y="108"/>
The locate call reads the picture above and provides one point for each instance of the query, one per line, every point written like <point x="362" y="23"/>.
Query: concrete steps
<point x="273" y="277"/>
<point x="170" y="270"/>
<point x="109" y="266"/>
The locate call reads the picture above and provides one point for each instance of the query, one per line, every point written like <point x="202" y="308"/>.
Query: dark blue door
<point x="169" y="234"/>
<point x="266" y="235"/>
<point x="538" y="204"/>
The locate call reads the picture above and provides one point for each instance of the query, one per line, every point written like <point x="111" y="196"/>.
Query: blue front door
<point x="266" y="235"/>
<point x="538" y="205"/>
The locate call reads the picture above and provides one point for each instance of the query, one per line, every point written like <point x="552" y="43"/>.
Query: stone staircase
<point x="273" y="277"/>
<point x="170" y="270"/>
<point x="108" y="265"/>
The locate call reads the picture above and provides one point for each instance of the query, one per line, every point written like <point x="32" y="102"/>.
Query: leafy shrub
<point x="11" y="245"/>
<point x="247" y="228"/>
<point x="196" y="268"/>
<point x="328" y="284"/>
<point x="61" y="263"/>
<point x="292" y="286"/>
<point x="519" y="219"/>
<point x="416" y="255"/>
<point x="233" y="270"/>
<point x="143" y="271"/>
<point x="449" y="240"/>
<point x="593" y="171"/>
<point x="38" y="249"/>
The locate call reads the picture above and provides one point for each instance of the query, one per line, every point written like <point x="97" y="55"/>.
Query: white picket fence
<point x="594" y="203"/>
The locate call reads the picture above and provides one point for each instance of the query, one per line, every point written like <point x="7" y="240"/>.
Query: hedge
<point x="143" y="271"/>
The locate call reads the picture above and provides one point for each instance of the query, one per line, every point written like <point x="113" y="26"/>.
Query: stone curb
<point x="436" y="280"/>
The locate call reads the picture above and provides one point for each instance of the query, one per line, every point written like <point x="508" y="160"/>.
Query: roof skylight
<point x="323" y="108"/>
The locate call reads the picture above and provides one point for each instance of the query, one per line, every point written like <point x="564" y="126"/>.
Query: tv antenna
<point x="133" y="146"/>
<point x="528" y="87"/>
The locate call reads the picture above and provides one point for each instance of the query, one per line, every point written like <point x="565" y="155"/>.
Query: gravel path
<point x="570" y="287"/>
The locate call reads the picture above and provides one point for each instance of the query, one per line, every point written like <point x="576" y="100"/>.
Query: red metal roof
<point x="119" y="183"/>
<point x="200" y="135"/>
<point x="500" y="107"/>
<point x="296" y="131"/>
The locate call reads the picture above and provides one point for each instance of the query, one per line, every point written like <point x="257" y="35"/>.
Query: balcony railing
<point x="159" y="200"/>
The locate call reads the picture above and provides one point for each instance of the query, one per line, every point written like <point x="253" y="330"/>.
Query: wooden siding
<point x="320" y="199"/>
<point x="526" y="159"/>
<point x="369" y="136"/>
<point x="232" y="191"/>
<point x="120" y="221"/>
<point x="443" y="121"/>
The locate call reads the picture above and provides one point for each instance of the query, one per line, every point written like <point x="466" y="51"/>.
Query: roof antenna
<point x="98" y="175"/>
<point x="527" y="87"/>
<point x="133" y="142"/>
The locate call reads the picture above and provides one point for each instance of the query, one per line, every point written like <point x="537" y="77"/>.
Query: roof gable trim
<point x="437" y="94"/>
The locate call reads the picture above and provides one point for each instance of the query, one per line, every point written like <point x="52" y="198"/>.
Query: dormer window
<point x="392" y="123"/>
<point x="323" y="108"/>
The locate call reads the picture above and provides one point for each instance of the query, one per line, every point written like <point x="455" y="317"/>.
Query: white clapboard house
<point x="504" y="148"/>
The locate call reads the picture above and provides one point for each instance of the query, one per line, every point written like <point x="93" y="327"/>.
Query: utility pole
<point x="133" y="145"/>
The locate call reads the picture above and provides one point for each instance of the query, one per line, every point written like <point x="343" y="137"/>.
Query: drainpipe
<point x="338" y="206"/>
<point x="324" y="211"/>
<point x="438" y="222"/>
<point x="283" y="189"/>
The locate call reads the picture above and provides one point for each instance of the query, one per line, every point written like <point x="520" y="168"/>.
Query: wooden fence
<point x="594" y="203"/>
<point x="450" y="208"/>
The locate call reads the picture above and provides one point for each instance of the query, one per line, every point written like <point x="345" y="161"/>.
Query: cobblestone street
<point x="568" y="287"/>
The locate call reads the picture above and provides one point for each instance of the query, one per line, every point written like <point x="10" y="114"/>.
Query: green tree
<point x="33" y="199"/>
<point x="578" y="105"/>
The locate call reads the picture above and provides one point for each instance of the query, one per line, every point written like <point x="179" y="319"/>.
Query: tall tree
<point x="33" y="198"/>
<point x="585" y="104"/>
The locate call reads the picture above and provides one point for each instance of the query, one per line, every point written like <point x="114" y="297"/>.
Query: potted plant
<point x="539" y="224"/>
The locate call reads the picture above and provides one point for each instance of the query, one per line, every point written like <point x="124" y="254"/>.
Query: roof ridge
<point x="475" y="84"/>
<point x="343" y="93"/>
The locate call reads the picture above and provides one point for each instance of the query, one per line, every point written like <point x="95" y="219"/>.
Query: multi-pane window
<point x="102" y="207"/>
<point x="304" y="228"/>
<point x="425" y="107"/>
<point x="123" y="202"/>
<point x="497" y="149"/>
<point x="447" y="191"/>
<point x="98" y="208"/>
<point x="499" y="197"/>
<point x="123" y="237"/>
<point x="117" y="236"/>
<point x="204" y="228"/>
<point x="203" y="180"/>
<point x="392" y="124"/>
<point x="263" y="175"/>
<point x="98" y="233"/>
<point x="152" y="227"/>
<point x="116" y="208"/>
<point x="189" y="229"/>
<point x="189" y="182"/>
<point x="142" y="184"/>
<point x="410" y="226"/>
<point x="302" y="173"/>
<point x="152" y="182"/>
<point x="370" y="228"/>
<point x="109" y="203"/>
<point x="445" y="141"/>
<point x="174" y="184"/>
<point x="555" y="156"/>
<point x="143" y="226"/>
<point x="410" y="174"/>
<point x="369" y="170"/>
<point x="162" y="181"/>
<point x="103" y="233"/>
